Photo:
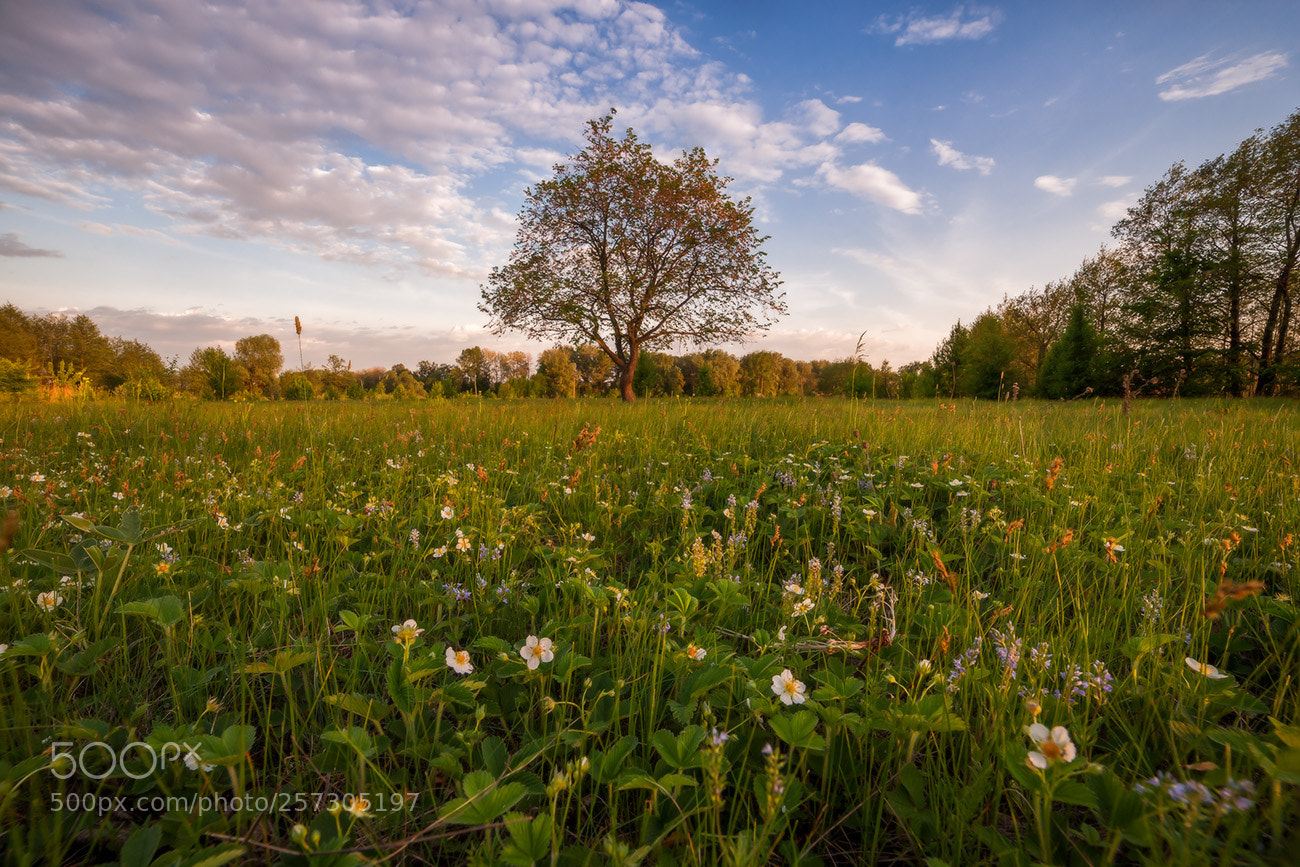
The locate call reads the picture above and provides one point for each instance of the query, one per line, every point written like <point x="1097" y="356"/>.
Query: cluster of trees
<point x="66" y="354"/>
<point x="60" y="353"/>
<point x="1195" y="296"/>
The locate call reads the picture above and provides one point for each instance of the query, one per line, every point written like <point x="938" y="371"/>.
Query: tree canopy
<point x="630" y="254"/>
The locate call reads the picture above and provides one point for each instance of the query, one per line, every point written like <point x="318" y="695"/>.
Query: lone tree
<point x="629" y="254"/>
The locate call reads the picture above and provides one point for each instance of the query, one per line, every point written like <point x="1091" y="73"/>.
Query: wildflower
<point x="48" y="600"/>
<point x="536" y="651"/>
<point x="924" y="667"/>
<point x="789" y="690"/>
<point x="1053" y="746"/>
<point x="440" y="551"/>
<point x="802" y="607"/>
<point x="719" y="737"/>
<point x="406" y="633"/>
<point x="3" y="648"/>
<point x="463" y="543"/>
<point x="415" y="538"/>
<point x="162" y="568"/>
<point x="458" y="661"/>
<point x="696" y="653"/>
<point x="359" y="807"/>
<point x="1204" y="668"/>
<point x="447" y="513"/>
<point x="213" y="706"/>
<point x="192" y="762"/>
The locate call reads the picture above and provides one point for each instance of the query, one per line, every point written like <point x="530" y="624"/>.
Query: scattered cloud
<point x="1114" y="211"/>
<point x="916" y="29"/>
<point x="1054" y="185"/>
<point x="11" y="246"/>
<point x="1208" y="76"/>
<point x="1115" y="180"/>
<point x="950" y="156"/>
<point x="856" y="133"/>
<point x="874" y="184"/>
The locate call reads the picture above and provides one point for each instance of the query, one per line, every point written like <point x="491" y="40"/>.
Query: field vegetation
<point x="676" y="632"/>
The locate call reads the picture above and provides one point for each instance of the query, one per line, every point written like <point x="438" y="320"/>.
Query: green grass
<point x="229" y="580"/>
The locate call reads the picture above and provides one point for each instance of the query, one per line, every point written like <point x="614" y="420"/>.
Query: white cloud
<point x="1054" y="185"/>
<point x="961" y="23"/>
<point x="1114" y="211"/>
<point x="354" y="132"/>
<point x="1114" y="180"/>
<point x="873" y="183"/>
<point x="950" y="156"/>
<point x="858" y="133"/>
<point x="1206" y="76"/>
<point x="816" y="117"/>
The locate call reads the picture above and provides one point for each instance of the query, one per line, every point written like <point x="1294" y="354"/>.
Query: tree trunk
<point x="627" y="373"/>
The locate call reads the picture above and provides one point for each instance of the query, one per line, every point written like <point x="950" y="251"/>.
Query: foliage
<point x="213" y="374"/>
<point x="1070" y="368"/>
<point x="627" y="253"/>
<point x="261" y="359"/>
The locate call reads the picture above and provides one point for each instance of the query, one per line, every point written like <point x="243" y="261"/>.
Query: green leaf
<point x="606" y="766"/>
<point x="799" y="730"/>
<point x="363" y="706"/>
<point x="1075" y="792"/>
<point x="400" y="689"/>
<point x="287" y="660"/>
<point x="1142" y="645"/>
<point x="358" y="739"/>
<point x="60" y="563"/>
<point x="495" y="756"/>
<point x="532" y="838"/>
<point x="130" y="527"/>
<point x="215" y="856"/>
<point x="139" y="848"/>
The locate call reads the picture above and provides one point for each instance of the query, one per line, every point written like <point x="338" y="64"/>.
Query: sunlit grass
<point x="529" y="631"/>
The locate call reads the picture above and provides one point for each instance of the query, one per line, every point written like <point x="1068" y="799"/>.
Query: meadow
<point x="711" y="632"/>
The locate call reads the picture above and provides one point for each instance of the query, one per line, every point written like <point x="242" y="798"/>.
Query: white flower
<point x="193" y="764"/>
<point x="1053" y="746"/>
<point x="458" y="661"/>
<point x="463" y="543"/>
<point x="536" y="651"/>
<point x="3" y="648"/>
<point x="448" y="513"/>
<point x="802" y="607"/>
<point x="696" y="653"/>
<point x="1204" y="668"/>
<point x="49" y="600"/>
<point x="786" y="688"/>
<point x="405" y="633"/>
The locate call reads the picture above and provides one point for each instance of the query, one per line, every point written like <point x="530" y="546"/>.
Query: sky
<point x="188" y="173"/>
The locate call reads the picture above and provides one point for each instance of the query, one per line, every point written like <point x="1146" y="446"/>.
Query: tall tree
<point x="1070" y="367"/>
<point x="1278" y="162"/>
<point x="261" y="359"/>
<point x="630" y="254"/>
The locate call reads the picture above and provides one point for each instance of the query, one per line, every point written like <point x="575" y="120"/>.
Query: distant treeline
<point x="1195" y="297"/>
<point x="62" y="356"/>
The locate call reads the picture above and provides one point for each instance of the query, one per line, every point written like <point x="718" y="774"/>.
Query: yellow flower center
<point x="1051" y="749"/>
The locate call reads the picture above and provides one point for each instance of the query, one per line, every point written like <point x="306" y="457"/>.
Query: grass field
<point x="676" y="632"/>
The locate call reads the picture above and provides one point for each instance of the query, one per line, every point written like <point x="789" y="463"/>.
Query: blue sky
<point x="191" y="173"/>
